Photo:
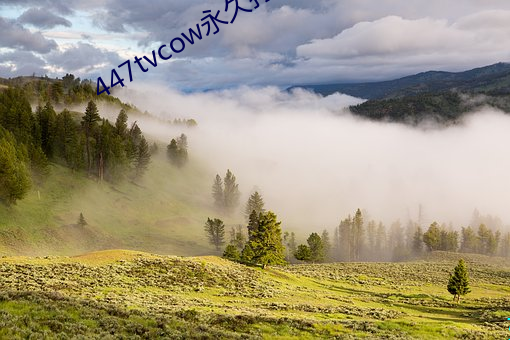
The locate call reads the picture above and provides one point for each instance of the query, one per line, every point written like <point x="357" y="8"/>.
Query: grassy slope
<point x="138" y="294"/>
<point x="164" y="213"/>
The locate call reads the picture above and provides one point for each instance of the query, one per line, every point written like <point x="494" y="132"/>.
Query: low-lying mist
<point x="315" y="163"/>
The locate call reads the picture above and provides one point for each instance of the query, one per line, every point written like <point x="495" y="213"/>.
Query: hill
<point x="443" y="97"/>
<point x="164" y="212"/>
<point x="139" y="295"/>
<point x="493" y="79"/>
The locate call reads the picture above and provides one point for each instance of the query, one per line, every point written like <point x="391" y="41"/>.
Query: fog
<point x="315" y="163"/>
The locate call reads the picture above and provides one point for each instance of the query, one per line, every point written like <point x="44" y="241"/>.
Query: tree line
<point x="83" y="142"/>
<point x="357" y="240"/>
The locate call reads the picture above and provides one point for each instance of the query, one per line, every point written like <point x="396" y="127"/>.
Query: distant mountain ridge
<point x="492" y="79"/>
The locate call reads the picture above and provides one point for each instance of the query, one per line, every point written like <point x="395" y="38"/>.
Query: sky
<point x="280" y="43"/>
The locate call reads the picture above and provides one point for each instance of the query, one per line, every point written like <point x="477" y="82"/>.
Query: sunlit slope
<point x="131" y="294"/>
<point x="162" y="213"/>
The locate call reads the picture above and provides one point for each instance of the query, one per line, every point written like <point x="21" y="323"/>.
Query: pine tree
<point x="266" y="241"/>
<point x="237" y="237"/>
<point x="247" y="254"/>
<point x="470" y="243"/>
<point x="381" y="240"/>
<point x="418" y="241"/>
<point x="253" y="224"/>
<point x="345" y="233"/>
<point x="14" y="175"/>
<point x="357" y="233"/>
<point x="217" y="193"/>
<point x="289" y="240"/>
<point x="121" y="126"/>
<point x="143" y="158"/>
<point x="232" y="253"/>
<point x="89" y="122"/>
<point x="458" y="284"/>
<point x="316" y="247"/>
<point x="81" y="221"/>
<point x="326" y="242"/>
<point x="255" y="203"/>
<point x="432" y="237"/>
<point x="230" y="192"/>
<point x="215" y="231"/>
<point x="303" y="253"/>
<point x="177" y="151"/>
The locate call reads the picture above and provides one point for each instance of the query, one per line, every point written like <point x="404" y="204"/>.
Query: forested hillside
<point x="72" y="181"/>
<point x="443" y="97"/>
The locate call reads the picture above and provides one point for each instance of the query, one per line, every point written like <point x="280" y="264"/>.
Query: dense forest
<point x="84" y="142"/>
<point x="443" y="97"/>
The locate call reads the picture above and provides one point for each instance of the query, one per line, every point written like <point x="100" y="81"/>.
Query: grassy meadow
<point x="135" y="295"/>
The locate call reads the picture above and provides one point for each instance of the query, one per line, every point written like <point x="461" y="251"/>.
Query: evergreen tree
<point x="121" y="124"/>
<point x="255" y="203"/>
<point x="14" y="175"/>
<point x="381" y="246"/>
<point x="289" y="240"/>
<point x="253" y="224"/>
<point x="81" y="220"/>
<point x="371" y="237"/>
<point x="231" y="192"/>
<point x="89" y="122"/>
<point x="303" y="253"/>
<point x="247" y="254"/>
<point x="266" y="241"/>
<point x="143" y="158"/>
<point x="46" y="119"/>
<point x="217" y="193"/>
<point x="177" y="151"/>
<point x="470" y="243"/>
<point x="215" y="231"/>
<point x="67" y="140"/>
<point x="326" y="243"/>
<point x="505" y="245"/>
<point x="357" y="235"/>
<point x="232" y="253"/>
<point x="458" y="284"/>
<point x="237" y="237"/>
<point x="418" y="241"/>
<point x="432" y="237"/>
<point x="345" y="231"/>
<point x="316" y="247"/>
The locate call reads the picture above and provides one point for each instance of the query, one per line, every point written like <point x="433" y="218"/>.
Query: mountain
<point x="494" y="79"/>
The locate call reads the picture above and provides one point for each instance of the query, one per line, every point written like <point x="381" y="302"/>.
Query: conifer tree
<point x="81" y="220"/>
<point x="217" y="192"/>
<point x="418" y="241"/>
<point x="255" y="203"/>
<point x="143" y="158"/>
<point x="232" y="253"/>
<point x="231" y="192"/>
<point x="121" y="126"/>
<point x="266" y="241"/>
<point x="215" y="231"/>
<point x="89" y="122"/>
<point x="326" y="243"/>
<point x="470" y="243"/>
<point x="316" y="247"/>
<point x="14" y="175"/>
<point x="432" y="237"/>
<point x="458" y="284"/>
<point x="357" y="234"/>
<point x="303" y="253"/>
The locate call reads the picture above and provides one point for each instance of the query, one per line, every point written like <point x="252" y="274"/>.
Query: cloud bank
<point x="315" y="163"/>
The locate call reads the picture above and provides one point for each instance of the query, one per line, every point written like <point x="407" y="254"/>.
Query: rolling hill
<point x="494" y="79"/>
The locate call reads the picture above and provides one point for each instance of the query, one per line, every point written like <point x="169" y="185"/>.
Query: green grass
<point x="138" y="295"/>
<point x="164" y="213"/>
